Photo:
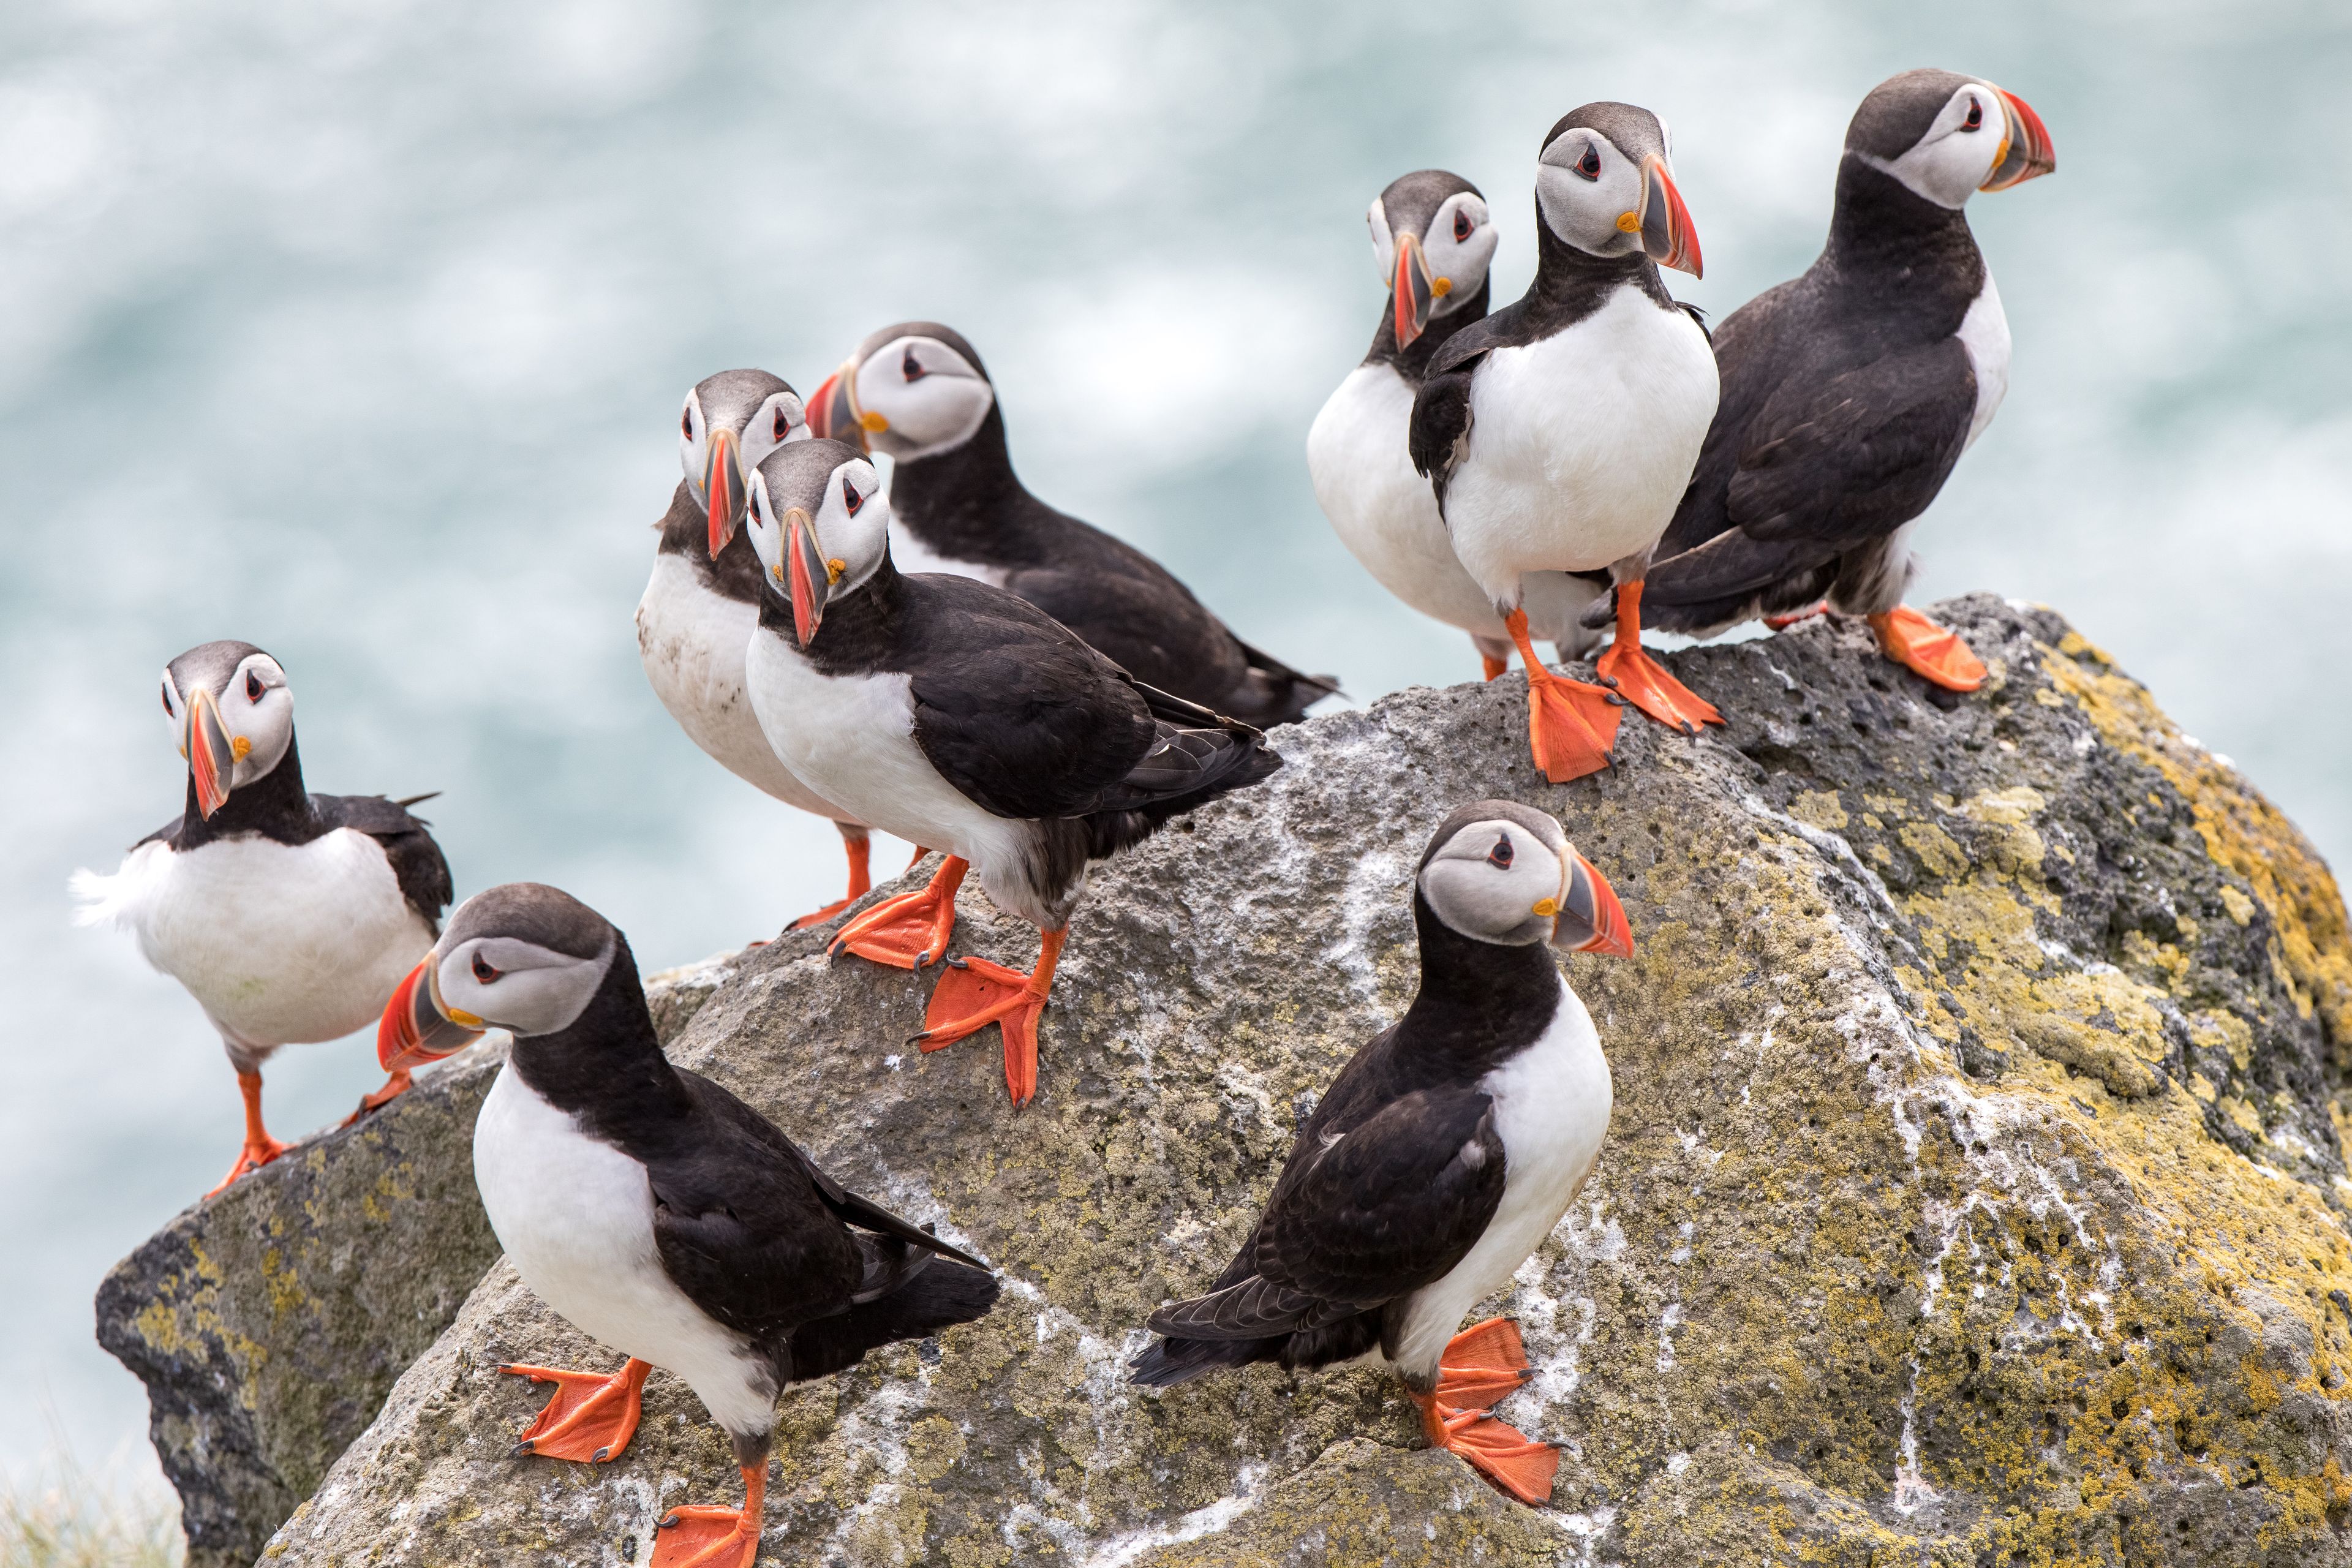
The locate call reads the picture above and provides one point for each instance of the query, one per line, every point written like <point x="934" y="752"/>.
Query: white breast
<point x="281" y="944"/>
<point x="1984" y="332"/>
<point x="1582" y="444"/>
<point x="1551" y="1110"/>
<point x="691" y="641"/>
<point x="576" y="1216"/>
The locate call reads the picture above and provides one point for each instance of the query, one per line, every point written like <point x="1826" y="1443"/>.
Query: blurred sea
<point x="359" y="331"/>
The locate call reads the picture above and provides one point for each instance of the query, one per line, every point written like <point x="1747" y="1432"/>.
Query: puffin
<point x="1558" y="433"/>
<point x="289" y="917"/>
<point x="652" y="1209"/>
<point x="1433" y="238"/>
<point x="1439" y="1159"/>
<point x="916" y="393"/>
<point x="699" y="608"/>
<point x="960" y="716"/>
<point x="1850" y="393"/>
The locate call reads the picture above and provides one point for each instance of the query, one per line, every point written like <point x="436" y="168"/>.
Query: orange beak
<point x="2028" y="152"/>
<point x="1414" y="298"/>
<point x="722" y="486"/>
<point x="1590" y="919"/>
<point x="1666" y="232"/>
<point x="803" y="566"/>
<point x="414" y="1030"/>
<point x="212" y="757"/>
<point x="832" y="413"/>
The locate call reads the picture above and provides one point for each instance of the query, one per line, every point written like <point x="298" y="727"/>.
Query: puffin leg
<point x="912" y="930"/>
<point x="592" y="1418"/>
<point x="398" y="1084"/>
<point x="974" y="993"/>
<point x="714" y="1537"/>
<point x="1495" y="655"/>
<point x="1796" y="617"/>
<point x="860" y="850"/>
<point x="1643" y="679"/>
<point x="1571" y="724"/>
<point x="260" y="1148"/>
<point x="1933" y="652"/>
<point x="1480" y="1365"/>
<point x="916" y="859"/>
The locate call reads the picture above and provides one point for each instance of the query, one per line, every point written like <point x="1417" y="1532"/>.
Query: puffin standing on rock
<point x="958" y="715"/>
<point x="653" y="1210"/>
<point x="1440" y="1158"/>
<point x="1432" y="239"/>
<point x="916" y="393"/>
<point x="1850" y="393"/>
<point x="700" y="607"/>
<point x="1559" y="432"/>
<point x="289" y="917"/>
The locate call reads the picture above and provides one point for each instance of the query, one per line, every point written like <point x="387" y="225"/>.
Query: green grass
<point x="77" y="1523"/>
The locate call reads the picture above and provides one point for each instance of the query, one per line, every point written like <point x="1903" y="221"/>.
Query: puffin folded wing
<point x="418" y="864"/>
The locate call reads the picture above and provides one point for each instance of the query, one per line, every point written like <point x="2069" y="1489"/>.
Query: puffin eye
<point x="167" y="697"/>
<point x="1589" y="165"/>
<point x="1461" y="225"/>
<point x="686" y="424"/>
<point x="784" y="422"/>
<point x="850" y="499"/>
<point x="1976" y="116"/>
<point x="1500" y="855"/>
<point x="252" y="687"/>
<point x="912" y="368"/>
<point x="484" y="970"/>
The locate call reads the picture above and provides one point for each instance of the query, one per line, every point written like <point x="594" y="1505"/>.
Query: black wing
<point x="1374" y="1213"/>
<point x="1439" y="430"/>
<point x="417" y="860"/>
<point x="166" y="834"/>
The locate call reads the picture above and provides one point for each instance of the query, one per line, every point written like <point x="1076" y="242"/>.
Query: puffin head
<point x="913" y="390"/>
<point x="1605" y="185"/>
<point x="1947" y="136"/>
<point x="1499" y="872"/>
<point x="732" y="421"/>
<point x="232" y="716"/>
<point x="522" y="957"/>
<point x="1432" y="240"/>
<point x="819" y="525"/>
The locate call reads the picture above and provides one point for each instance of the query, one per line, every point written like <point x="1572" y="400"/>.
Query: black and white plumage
<point x="1850" y="393"/>
<point x="962" y="716"/>
<point x="1442" y="1155"/>
<point x="650" y="1208"/>
<point x="916" y="393"/>
<point x="700" y="606"/>
<point x="288" y="916"/>
<point x="1433" y="238"/>
<point x="1559" y="432"/>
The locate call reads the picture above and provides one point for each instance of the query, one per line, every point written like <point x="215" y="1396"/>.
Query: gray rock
<point x="269" y="1322"/>
<point x="1974" y="1194"/>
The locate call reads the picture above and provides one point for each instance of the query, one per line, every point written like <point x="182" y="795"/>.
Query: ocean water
<point x="359" y="331"/>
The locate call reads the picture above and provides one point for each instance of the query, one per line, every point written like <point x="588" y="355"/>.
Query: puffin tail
<point x="1167" y="1363"/>
<point x="1273" y="693"/>
<point x="941" y="1294"/>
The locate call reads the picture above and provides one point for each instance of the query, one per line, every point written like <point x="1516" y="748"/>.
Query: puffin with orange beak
<point x="1558" y="434"/>
<point x="1850" y="392"/>
<point x="700" y="607"/>
<point x="1440" y="1158"/>
<point x="289" y="917"/>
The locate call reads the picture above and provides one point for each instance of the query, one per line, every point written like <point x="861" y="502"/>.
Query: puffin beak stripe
<point x="723" y="482"/>
<point x="2030" y="152"/>
<point x="1414" y="297"/>
<point x="1666" y="232"/>
<point x="1590" y="919"/>
<point x="834" y="414"/>
<point x="806" y="566"/>
<point x="415" y="1029"/>
<point x="212" y="757"/>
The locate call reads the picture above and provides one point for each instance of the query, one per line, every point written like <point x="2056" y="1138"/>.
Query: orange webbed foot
<point x="1934" y="653"/>
<point x="975" y="992"/>
<point x="395" y="1086"/>
<point x="912" y="930"/>
<point x="713" y="1537"/>
<point x="1646" y="684"/>
<point x="1481" y="1364"/>
<point x="1571" y="724"/>
<point x="592" y="1418"/>
<point x="256" y="1154"/>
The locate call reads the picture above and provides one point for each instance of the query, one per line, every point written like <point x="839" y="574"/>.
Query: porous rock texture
<point x="269" y="1322"/>
<point x="1975" y="1193"/>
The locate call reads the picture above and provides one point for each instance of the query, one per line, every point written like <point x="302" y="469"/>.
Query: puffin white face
<point x="915" y="397"/>
<point x="1499" y="879"/>
<point x="233" y="734"/>
<point x="1982" y="140"/>
<point x="1595" y="196"/>
<point x="779" y="419"/>
<point x="819" y="526"/>
<point x="520" y="957"/>
<point x="1429" y="273"/>
<point x="507" y="983"/>
<point x="722" y="435"/>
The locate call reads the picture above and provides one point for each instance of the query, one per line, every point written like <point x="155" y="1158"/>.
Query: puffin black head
<point x="1605" y="185"/>
<point x="232" y="716"/>
<point x="1433" y="240"/>
<point x="819" y="526"/>
<point x="732" y="421"/>
<point x="912" y="390"/>
<point x="521" y="957"/>
<point x="1947" y="136"/>
<point x="1499" y="872"/>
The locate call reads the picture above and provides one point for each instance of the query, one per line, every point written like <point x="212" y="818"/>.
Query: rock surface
<point x="269" y="1322"/>
<point x="1975" y="1193"/>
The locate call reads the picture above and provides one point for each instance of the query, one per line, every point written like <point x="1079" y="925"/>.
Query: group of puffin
<point x="958" y="664"/>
